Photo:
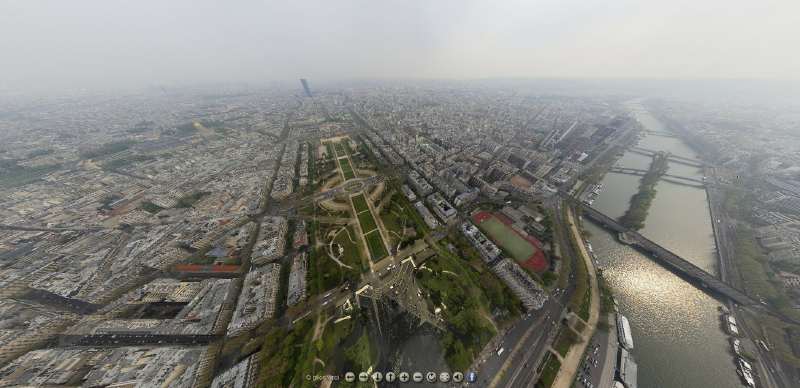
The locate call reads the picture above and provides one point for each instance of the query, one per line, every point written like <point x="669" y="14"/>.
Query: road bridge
<point x="667" y="177"/>
<point x="671" y="157"/>
<point x="670" y="260"/>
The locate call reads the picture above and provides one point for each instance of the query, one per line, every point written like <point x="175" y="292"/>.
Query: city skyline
<point x="99" y="45"/>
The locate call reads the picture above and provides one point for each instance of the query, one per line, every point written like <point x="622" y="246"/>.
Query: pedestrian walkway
<point x="555" y="354"/>
<point x="572" y="361"/>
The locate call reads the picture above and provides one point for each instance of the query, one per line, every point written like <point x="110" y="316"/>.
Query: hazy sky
<point x="106" y="43"/>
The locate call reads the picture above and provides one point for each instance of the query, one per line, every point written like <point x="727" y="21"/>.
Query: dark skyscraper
<point x="305" y="86"/>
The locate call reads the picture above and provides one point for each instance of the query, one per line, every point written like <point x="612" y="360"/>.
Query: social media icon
<point x="430" y="377"/>
<point x="417" y="377"/>
<point x="458" y="377"/>
<point x="404" y="377"/>
<point x="363" y="377"/>
<point x="350" y="377"/>
<point x="377" y="377"/>
<point x="472" y="377"/>
<point x="390" y="377"/>
<point x="444" y="377"/>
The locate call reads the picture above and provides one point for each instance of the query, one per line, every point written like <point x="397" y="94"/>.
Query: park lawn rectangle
<point x="360" y="203"/>
<point x="375" y="245"/>
<point x="347" y="169"/>
<point x="367" y="222"/>
<point x="329" y="150"/>
<point x="507" y="239"/>
<point x="340" y="151"/>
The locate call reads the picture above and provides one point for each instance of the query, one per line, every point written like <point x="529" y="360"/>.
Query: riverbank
<point x="639" y="204"/>
<point x="676" y="325"/>
<point x="569" y="367"/>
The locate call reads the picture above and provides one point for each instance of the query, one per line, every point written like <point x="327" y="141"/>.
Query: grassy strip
<point x="565" y="269"/>
<point x="565" y="340"/>
<point x="360" y="203"/>
<point x="606" y="301"/>
<point x="549" y="372"/>
<point x="367" y="222"/>
<point x="375" y="245"/>
<point x="579" y="302"/>
<point x="640" y="202"/>
<point x="329" y="151"/>
<point x="340" y="151"/>
<point x="347" y="169"/>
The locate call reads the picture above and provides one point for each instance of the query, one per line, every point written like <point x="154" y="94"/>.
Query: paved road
<point x="538" y="325"/>
<point x="520" y="366"/>
<point x="523" y="372"/>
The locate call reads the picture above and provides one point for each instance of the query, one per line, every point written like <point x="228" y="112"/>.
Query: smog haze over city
<point x="400" y="193"/>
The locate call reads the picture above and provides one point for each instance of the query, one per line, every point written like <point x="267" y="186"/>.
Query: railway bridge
<point x="667" y="177"/>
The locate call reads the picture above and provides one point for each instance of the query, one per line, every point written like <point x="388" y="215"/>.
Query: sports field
<point x="503" y="236"/>
<point x="526" y="250"/>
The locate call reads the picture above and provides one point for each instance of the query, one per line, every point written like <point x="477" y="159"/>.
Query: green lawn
<point x="329" y="151"/>
<point x="468" y="329"/>
<point x="324" y="273"/>
<point x="549" y="372"/>
<point x="340" y="151"/>
<point x="351" y="255"/>
<point x="367" y="222"/>
<point x="283" y="353"/>
<point x="347" y="169"/>
<point x="360" y="203"/>
<point x="565" y="340"/>
<point x="375" y="245"/>
<point x="507" y="239"/>
<point x="347" y="147"/>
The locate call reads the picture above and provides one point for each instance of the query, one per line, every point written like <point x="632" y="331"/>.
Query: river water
<point x="679" y="342"/>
